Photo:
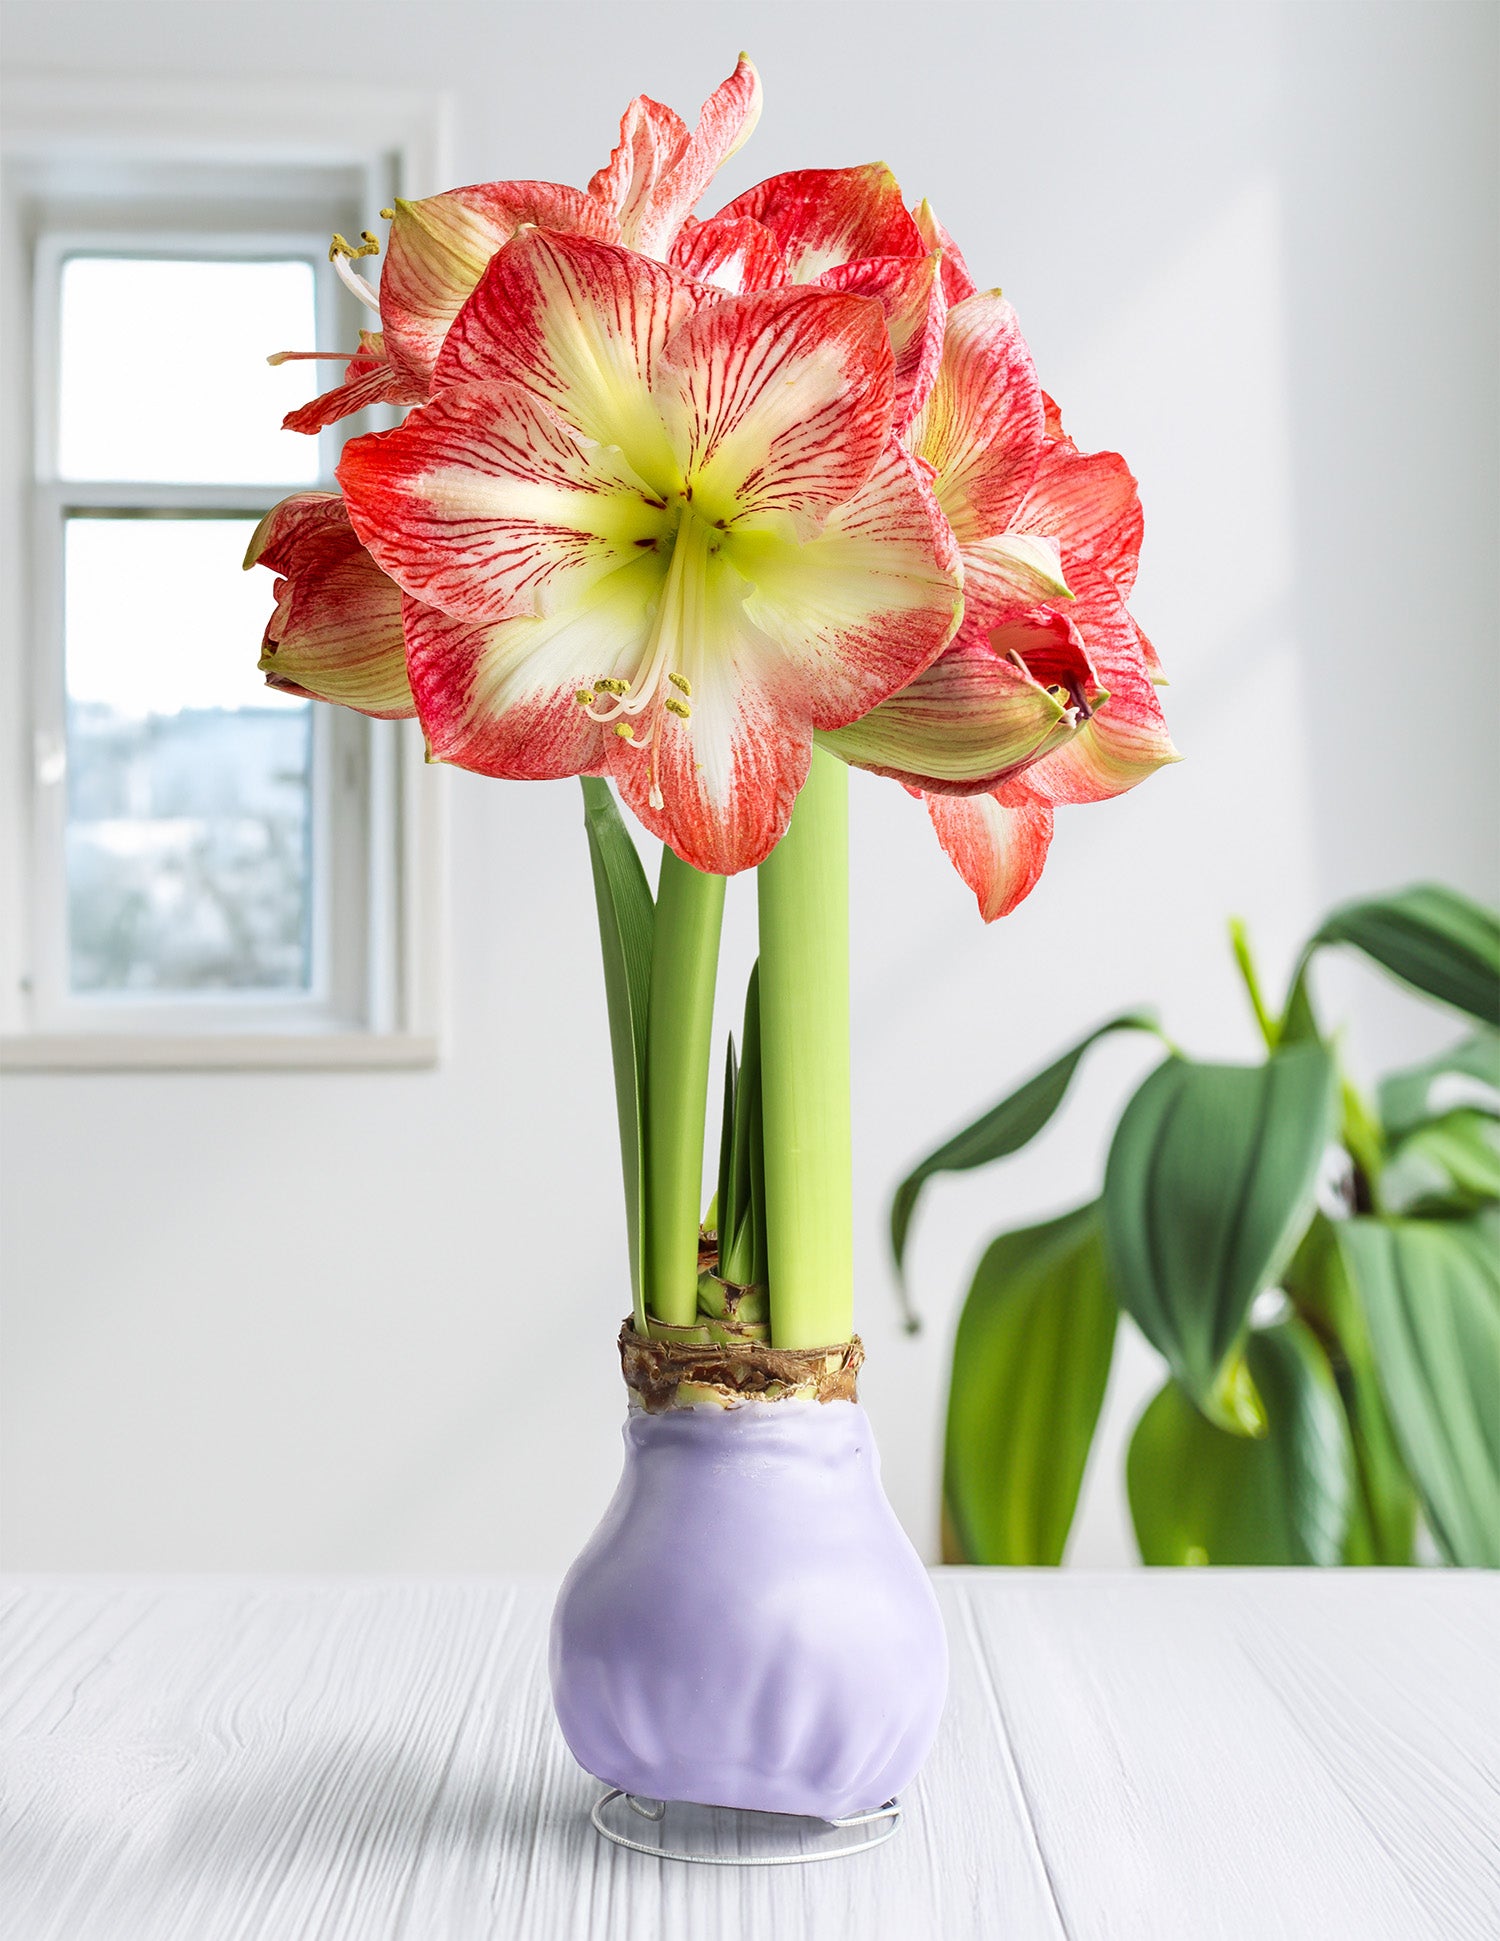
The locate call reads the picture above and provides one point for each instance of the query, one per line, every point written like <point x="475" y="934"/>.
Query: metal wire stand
<point x="705" y="1830"/>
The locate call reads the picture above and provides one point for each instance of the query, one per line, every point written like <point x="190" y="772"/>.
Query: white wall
<point x="318" y="1320"/>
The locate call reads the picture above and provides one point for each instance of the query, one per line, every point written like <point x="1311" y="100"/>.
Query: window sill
<point x="218" y="1051"/>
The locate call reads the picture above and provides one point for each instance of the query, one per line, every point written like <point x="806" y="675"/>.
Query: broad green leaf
<point x="1405" y="1097"/>
<point x="626" y="926"/>
<point x="1201" y="1496"/>
<point x="1449" y="1165"/>
<point x="1382" y="1529"/>
<point x="1210" y="1183"/>
<point x="1004" y="1129"/>
<point x="1030" y="1364"/>
<point x="1431" y="1289"/>
<point x="1429" y="937"/>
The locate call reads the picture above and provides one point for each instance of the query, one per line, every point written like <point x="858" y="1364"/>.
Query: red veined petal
<point x="719" y="788"/>
<point x="501" y="699"/>
<point x="970" y="720"/>
<point x="336" y="632"/>
<point x="825" y="216"/>
<point x="580" y="325"/>
<point x="1127" y="738"/>
<point x="368" y="379"/>
<point x="1088" y="501"/>
<point x="776" y="403"/>
<point x="658" y="171"/>
<point x="997" y="843"/>
<point x="861" y="608"/>
<point x="981" y="429"/>
<point x="1013" y="569"/>
<point x="438" y="249"/>
<point x="910" y="292"/>
<point x="731" y="253"/>
<point x="486" y="505"/>
<point x="1154" y="669"/>
<point x="1053" y="419"/>
<point x="957" y="282"/>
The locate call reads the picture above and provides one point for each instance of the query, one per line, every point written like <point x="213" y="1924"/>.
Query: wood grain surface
<point x="1146" y="1756"/>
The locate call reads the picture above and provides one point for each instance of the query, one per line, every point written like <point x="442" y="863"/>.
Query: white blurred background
<point x="324" y="1320"/>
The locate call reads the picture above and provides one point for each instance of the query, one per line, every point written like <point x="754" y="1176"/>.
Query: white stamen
<point x="356" y="284"/>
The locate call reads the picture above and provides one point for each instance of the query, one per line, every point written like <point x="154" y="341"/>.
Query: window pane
<point x="189" y="781"/>
<point x="163" y="371"/>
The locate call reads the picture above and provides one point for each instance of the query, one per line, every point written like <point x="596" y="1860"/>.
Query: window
<point x="212" y="872"/>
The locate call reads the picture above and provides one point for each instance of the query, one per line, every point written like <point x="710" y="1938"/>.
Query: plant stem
<point x="684" y="970"/>
<point x="804" y="1014"/>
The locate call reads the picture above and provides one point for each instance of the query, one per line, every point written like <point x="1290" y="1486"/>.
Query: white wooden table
<point x="1189" y="1754"/>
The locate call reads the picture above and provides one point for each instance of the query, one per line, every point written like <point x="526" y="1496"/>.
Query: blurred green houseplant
<point x="1321" y="1275"/>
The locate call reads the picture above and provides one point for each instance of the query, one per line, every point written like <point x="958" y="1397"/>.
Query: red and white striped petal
<point x="859" y="610"/>
<point x="965" y="724"/>
<point x="776" y="403"/>
<point x="732" y="253"/>
<point x="1127" y="738"/>
<point x="486" y="505"/>
<point x="1089" y="502"/>
<point x="998" y="843"/>
<point x="957" y="282"/>
<point x="719" y="786"/>
<point x="581" y="325"/>
<point x="439" y="247"/>
<point x="1014" y="569"/>
<point x="982" y="427"/>
<point x="502" y="699"/>
<point x="658" y="171"/>
<point x="336" y="632"/>
<point x="825" y="216"/>
<point x="369" y="378"/>
<point x="910" y="292"/>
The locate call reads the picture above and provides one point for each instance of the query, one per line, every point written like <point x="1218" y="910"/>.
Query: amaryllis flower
<point x="649" y="529"/>
<point x="438" y="247"/>
<point x="336" y="633"/>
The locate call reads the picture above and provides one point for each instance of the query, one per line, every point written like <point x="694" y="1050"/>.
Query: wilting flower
<point x="678" y="495"/>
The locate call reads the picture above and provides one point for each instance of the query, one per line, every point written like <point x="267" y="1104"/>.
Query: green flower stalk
<point x="804" y="1017"/>
<point x="684" y="968"/>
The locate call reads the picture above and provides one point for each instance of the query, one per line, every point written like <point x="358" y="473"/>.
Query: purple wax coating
<point x="749" y="1625"/>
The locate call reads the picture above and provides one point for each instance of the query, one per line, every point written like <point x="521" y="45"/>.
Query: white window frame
<point x="377" y="956"/>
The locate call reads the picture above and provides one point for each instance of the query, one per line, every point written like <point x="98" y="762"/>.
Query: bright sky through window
<point x="160" y="617"/>
<point x="199" y="404"/>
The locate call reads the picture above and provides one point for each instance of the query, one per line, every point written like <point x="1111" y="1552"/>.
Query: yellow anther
<point x="583" y="696"/>
<point x="679" y="708"/>
<point x="611" y="686"/>
<point x="340" y="247"/>
<point x="681" y="682"/>
<point x="624" y="730"/>
<point x="387" y="215"/>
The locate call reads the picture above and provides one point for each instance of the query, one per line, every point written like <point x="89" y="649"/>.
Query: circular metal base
<point x="723" y="1836"/>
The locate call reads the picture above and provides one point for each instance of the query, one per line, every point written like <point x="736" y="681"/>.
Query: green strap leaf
<point x="1430" y="937"/>
<point x="1030" y="1365"/>
<point x="1382" y="1528"/>
<point x="627" y="917"/>
<point x="1210" y="1183"/>
<point x="1200" y="1496"/>
<point x="1405" y="1096"/>
<point x="1431" y="1289"/>
<point x="742" y="1256"/>
<point x="1449" y="1165"/>
<point x="1004" y="1129"/>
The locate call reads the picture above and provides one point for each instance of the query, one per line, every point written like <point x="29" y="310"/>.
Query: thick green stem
<point x="684" y="969"/>
<point x="804" y="1016"/>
